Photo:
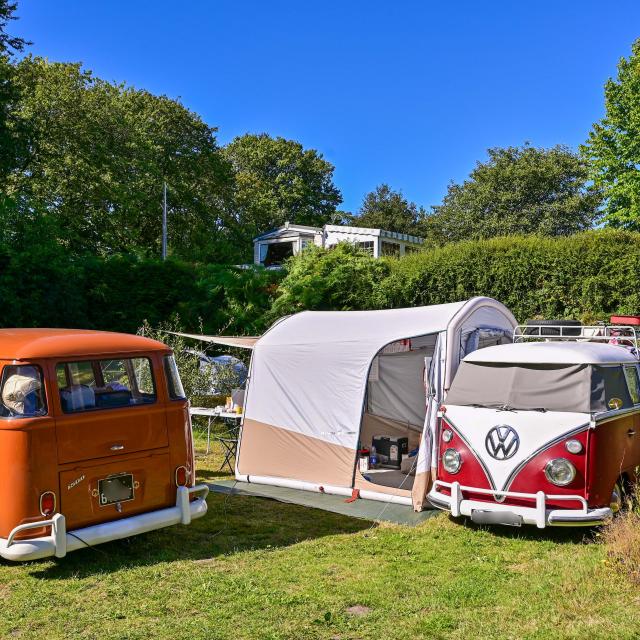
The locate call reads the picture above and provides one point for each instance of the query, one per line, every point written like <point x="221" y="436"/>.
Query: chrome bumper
<point x="538" y="515"/>
<point x="59" y="542"/>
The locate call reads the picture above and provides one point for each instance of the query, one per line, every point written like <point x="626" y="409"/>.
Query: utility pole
<point x="164" y="222"/>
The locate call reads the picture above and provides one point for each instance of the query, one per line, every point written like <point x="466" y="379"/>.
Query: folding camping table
<point x="229" y="441"/>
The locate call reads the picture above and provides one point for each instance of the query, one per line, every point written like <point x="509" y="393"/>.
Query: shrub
<point x="591" y="274"/>
<point x="586" y="276"/>
<point x="42" y="287"/>
<point x="340" y="278"/>
<point x="622" y="538"/>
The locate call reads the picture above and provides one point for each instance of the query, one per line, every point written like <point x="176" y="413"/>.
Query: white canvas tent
<point x="321" y="382"/>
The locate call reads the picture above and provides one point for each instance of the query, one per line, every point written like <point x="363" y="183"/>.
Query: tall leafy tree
<point x="98" y="156"/>
<point x="518" y="190"/>
<point x="278" y="180"/>
<point x="613" y="147"/>
<point x="9" y="43"/>
<point x="384" y="208"/>
<point x="11" y="141"/>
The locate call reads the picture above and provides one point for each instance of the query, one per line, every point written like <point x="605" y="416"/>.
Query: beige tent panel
<point x="272" y="451"/>
<point x="364" y="485"/>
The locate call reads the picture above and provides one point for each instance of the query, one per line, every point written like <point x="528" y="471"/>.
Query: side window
<point x="22" y="392"/>
<point x="631" y="375"/>
<point x="115" y="375"/>
<point x="81" y="373"/>
<point x="143" y="376"/>
<point x="176" y="391"/>
<point x="105" y="384"/>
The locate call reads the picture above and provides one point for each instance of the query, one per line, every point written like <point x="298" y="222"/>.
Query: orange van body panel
<point x="68" y="453"/>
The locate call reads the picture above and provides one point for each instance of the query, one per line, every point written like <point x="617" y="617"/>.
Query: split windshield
<point x="580" y="388"/>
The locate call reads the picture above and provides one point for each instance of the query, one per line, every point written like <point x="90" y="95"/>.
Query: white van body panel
<point x="536" y="430"/>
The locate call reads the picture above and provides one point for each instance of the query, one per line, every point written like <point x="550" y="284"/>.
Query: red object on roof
<point x="629" y="320"/>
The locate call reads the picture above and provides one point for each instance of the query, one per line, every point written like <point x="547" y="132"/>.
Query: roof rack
<point x="618" y="334"/>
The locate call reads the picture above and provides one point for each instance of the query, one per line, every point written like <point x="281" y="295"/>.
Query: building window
<point x="367" y="247"/>
<point x="390" y="249"/>
<point x="277" y="253"/>
<point x="409" y="249"/>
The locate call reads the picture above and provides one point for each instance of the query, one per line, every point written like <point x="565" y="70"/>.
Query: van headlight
<point x="451" y="461"/>
<point x="560" y="472"/>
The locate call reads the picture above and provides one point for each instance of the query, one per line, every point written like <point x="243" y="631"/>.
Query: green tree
<point x="99" y="154"/>
<point x="613" y="148"/>
<point x="277" y="180"/>
<point x="519" y="190"/>
<point x="9" y="43"/>
<point x="12" y="138"/>
<point x="384" y="208"/>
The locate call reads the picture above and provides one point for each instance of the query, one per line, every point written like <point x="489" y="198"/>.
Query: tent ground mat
<point x="365" y="509"/>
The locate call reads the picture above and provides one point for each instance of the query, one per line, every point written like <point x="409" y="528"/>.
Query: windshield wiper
<point x="506" y="407"/>
<point x="540" y="409"/>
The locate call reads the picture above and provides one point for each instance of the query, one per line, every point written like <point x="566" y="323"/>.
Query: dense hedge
<point x="586" y="276"/>
<point x="48" y="289"/>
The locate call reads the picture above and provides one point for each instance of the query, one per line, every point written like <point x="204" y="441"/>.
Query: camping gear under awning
<point x="244" y="342"/>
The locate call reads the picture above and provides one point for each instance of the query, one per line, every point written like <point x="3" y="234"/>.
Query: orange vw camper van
<point x="95" y="441"/>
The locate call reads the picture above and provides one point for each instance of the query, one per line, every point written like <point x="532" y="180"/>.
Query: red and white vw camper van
<point x="543" y="432"/>
<point x="95" y="441"/>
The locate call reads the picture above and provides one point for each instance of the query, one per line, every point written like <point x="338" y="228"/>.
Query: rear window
<point x="105" y="384"/>
<point x="22" y="394"/>
<point x="573" y="388"/>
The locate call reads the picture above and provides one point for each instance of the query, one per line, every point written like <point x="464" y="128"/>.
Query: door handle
<point x="631" y="432"/>
<point x="120" y="447"/>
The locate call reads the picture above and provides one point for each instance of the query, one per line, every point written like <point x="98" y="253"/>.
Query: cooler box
<point x="390" y="450"/>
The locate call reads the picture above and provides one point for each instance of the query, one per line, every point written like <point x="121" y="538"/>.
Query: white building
<point x="273" y="247"/>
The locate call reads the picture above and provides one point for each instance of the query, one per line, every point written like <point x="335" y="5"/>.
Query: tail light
<point x="182" y="476"/>
<point x="48" y="503"/>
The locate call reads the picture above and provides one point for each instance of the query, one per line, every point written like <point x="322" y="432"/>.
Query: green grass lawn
<point x="254" y="568"/>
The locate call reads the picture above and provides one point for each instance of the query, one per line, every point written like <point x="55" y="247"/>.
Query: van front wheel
<point x="618" y="496"/>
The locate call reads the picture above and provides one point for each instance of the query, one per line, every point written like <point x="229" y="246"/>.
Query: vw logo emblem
<point x="502" y="442"/>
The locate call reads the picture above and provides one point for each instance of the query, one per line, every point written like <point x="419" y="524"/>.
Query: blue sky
<point x="408" y="93"/>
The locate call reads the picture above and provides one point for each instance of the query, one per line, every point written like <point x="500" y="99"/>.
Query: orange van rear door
<point x="110" y="432"/>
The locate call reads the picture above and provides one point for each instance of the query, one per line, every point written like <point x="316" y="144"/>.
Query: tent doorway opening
<point x="396" y="405"/>
<point x="394" y="414"/>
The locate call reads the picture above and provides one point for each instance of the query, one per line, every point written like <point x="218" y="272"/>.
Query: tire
<point x="552" y="328"/>
<point x="618" y="497"/>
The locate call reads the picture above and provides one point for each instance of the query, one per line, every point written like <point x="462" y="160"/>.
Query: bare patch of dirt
<point x="358" y="610"/>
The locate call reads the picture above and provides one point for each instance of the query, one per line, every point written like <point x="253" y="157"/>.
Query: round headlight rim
<point x="550" y="464"/>
<point x="458" y="458"/>
<point x="447" y="435"/>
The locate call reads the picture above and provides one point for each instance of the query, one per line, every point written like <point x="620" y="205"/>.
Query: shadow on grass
<point x="568" y="535"/>
<point x="233" y="524"/>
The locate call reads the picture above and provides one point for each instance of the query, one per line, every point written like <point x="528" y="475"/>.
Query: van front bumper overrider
<point x="58" y="543"/>
<point x="538" y="514"/>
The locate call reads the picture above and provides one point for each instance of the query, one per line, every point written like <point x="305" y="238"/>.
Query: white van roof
<point x="560" y="352"/>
